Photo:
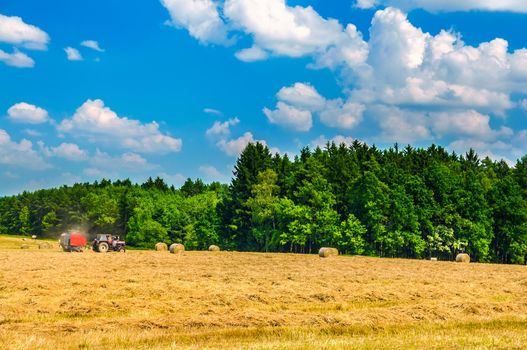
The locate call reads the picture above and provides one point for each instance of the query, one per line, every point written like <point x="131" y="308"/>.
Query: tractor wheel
<point x="103" y="247"/>
<point x="122" y="250"/>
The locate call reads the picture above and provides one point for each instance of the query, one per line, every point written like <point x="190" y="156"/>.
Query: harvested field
<point x="197" y="300"/>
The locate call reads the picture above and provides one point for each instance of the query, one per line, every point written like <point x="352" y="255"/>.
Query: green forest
<point x="411" y="203"/>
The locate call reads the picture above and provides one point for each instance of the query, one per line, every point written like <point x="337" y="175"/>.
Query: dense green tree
<point x="398" y="202"/>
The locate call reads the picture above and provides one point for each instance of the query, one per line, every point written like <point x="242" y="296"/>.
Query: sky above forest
<point x="177" y="88"/>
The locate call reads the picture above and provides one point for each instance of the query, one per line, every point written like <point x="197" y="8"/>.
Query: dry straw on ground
<point x="214" y="248"/>
<point x="325" y="252"/>
<point x="44" y="245"/>
<point x="463" y="258"/>
<point x="144" y="300"/>
<point x="177" y="248"/>
<point x="161" y="247"/>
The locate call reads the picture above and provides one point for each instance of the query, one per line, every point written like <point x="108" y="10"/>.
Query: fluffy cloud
<point x="219" y="129"/>
<point x="20" y="155"/>
<point x="415" y="85"/>
<point x="398" y="125"/>
<point x="102" y="164"/>
<point x="234" y="147"/>
<point x="100" y="124"/>
<point x="280" y="28"/>
<point x="297" y="103"/>
<point x="69" y="151"/>
<point x="220" y="133"/>
<point x="27" y="113"/>
<point x="439" y="70"/>
<point x="252" y="54"/>
<point x="16" y="59"/>
<point x="290" y="117"/>
<point x="276" y="29"/>
<point x="73" y="54"/>
<point x="32" y="132"/>
<point x="13" y="30"/>
<point x="449" y="5"/>
<point x="200" y="17"/>
<point x="523" y="104"/>
<point x="342" y="115"/>
<point x="469" y="123"/>
<point x="302" y="96"/>
<point x="92" y="44"/>
<point x="406" y="126"/>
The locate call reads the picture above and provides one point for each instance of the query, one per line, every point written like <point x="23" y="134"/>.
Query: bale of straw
<point x="463" y="258"/>
<point x="24" y="246"/>
<point x="433" y="259"/>
<point x="326" y="252"/>
<point x="161" y="247"/>
<point x="44" y="245"/>
<point x="34" y="236"/>
<point x="214" y="248"/>
<point x="177" y="248"/>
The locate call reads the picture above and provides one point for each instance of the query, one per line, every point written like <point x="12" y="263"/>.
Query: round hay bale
<point x="177" y="248"/>
<point x="463" y="258"/>
<point x="326" y="252"/>
<point x="44" y="245"/>
<point x="214" y="248"/>
<point x="24" y="246"/>
<point x="34" y="236"/>
<point x="161" y="247"/>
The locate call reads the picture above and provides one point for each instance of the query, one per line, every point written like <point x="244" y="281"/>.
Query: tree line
<point x="410" y="202"/>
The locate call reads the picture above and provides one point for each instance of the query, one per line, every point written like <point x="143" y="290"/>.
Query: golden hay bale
<point x="214" y="248"/>
<point x="161" y="247"/>
<point x="433" y="259"/>
<point x="463" y="258"/>
<point x="326" y="252"/>
<point x="44" y="245"/>
<point x="177" y="248"/>
<point x="24" y="246"/>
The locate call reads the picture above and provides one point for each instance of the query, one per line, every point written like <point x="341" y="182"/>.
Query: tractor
<point x="104" y="243"/>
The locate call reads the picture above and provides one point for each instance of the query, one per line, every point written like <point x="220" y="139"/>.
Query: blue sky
<point x="176" y="88"/>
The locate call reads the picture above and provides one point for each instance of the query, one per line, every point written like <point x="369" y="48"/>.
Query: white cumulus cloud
<point x="92" y="44"/>
<point x="297" y="103"/>
<point x="200" y="17"/>
<point x="302" y="95"/>
<point x="19" y="154"/>
<point x="16" y="59"/>
<point x="73" y="54"/>
<point x="27" y="113"/>
<point x="290" y="117"/>
<point x="13" y="30"/>
<point x="469" y="123"/>
<point x="234" y="147"/>
<point x="219" y="129"/>
<point x="100" y="124"/>
<point x="69" y="151"/>
<point x="519" y="6"/>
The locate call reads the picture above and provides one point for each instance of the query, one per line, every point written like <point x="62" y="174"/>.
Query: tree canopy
<point x="410" y="203"/>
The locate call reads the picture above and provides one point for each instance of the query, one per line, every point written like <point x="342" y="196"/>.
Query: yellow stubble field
<point x="229" y="300"/>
